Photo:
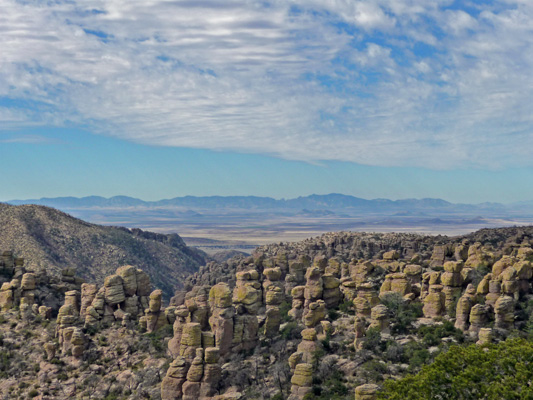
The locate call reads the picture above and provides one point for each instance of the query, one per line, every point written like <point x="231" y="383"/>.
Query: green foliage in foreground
<point x="494" y="372"/>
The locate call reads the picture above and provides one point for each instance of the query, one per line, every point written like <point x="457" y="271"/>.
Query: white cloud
<point x="404" y="82"/>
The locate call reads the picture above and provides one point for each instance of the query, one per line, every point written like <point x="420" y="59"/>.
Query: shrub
<point x="284" y="309"/>
<point x="347" y="307"/>
<point x="333" y="315"/>
<point x="493" y="372"/>
<point x="403" y="313"/>
<point x="291" y="330"/>
<point x="373" y="341"/>
<point x="432" y="334"/>
<point x="329" y="385"/>
<point x="373" y="371"/>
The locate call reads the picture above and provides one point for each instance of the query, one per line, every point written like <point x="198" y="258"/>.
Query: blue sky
<point x="396" y="99"/>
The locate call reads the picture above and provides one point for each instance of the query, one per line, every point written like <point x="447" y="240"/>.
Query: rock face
<point x="154" y="316"/>
<point x="301" y="381"/>
<point x="396" y="283"/>
<point x="172" y="384"/>
<point x="360" y="331"/>
<point x="366" y="392"/>
<point x="123" y="297"/>
<point x="222" y="313"/>
<point x="379" y="318"/>
<point x="307" y="349"/>
<point x="479" y="256"/>
<point x="485" y="336"/>
<point x="315" y="313"/>
<point x="332" y="294"/>
<point x="479" y="317"/>
<point x="71" y="338"/>
<point x="504" y="311"/>
<point x="464" y="305"/>
<point x="434" y="302"/>
<point x="247" y="299"/>
<point x="452" y="281"/>
<point x="25" y="291"/>
<point x="274" y="296"/>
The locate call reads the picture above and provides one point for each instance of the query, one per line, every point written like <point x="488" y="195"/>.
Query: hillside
<point x="53" y="240"/>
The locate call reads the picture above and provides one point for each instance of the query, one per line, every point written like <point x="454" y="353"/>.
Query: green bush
<point x="347" y="307"/>
<point x="402" y="313"/>
<point x="284" y="309"/>
<point x="333" y="315"/>
<point x="373" y="341"/>
<point x="290" y="331"/>
<point x="373" y="371"/>
<point x="432" y="334"/>
<point x="331" y="387"/>
<point x="493" y="372"/>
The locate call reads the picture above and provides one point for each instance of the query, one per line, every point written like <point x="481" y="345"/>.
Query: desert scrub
<point x="347" y="307"/>
<point x="291" y="330"/>
<point x="328" y="381"/>
<point x="284" y="309"/>
<point x="402" y="313"/>
<point x="432" y="334"/>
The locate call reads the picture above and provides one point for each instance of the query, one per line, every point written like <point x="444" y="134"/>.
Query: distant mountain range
<point x="332" y="202"/>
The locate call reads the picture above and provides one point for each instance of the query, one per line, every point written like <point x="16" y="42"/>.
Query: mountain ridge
<point x="314" y="201"/>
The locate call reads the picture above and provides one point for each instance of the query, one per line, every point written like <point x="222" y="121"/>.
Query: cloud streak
<point x="403" y="83"/>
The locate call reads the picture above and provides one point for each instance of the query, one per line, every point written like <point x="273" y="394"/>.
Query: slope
<point x="51" y="239"/>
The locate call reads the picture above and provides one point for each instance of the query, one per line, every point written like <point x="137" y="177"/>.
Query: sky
<point x="162" y="98"/>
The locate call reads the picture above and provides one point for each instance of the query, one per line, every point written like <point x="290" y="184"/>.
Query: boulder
<point x="114" y="290"/>
<point x="366" y="392"/>
<point x="128" y="273"/>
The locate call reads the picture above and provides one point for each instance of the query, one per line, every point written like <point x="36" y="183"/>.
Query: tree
<point x="493" y="372"/>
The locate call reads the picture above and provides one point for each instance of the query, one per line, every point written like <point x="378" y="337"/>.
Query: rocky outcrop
<point x="464" y="305"/>
<point x="197" y="303"/>
<point x="479" y="318"/>
<point x="247" y="299"/>
<point x="452" y="281"/>
<point x="172" y="384"/>
<point x="222" y="314"/>
<point x="366" y="392"/>
<point x="301" y="381"/>
<point x="486" y="336"/>
<point x="360" y="332"/>
<point x="273" y="296"/>
<point x="504" y="312"/>
<point x="154" y="316"/>
<point x="298" y="302"/>
<point x="296" y="275"/>
<point x="123" y="297"/>
<point x="396" y="283"/>
<point x="379" y="318"/>
<point x="434" y="302"/>
<point x="332" y="294"/>
<point x="315" y="313"/>
<point x="479" y="256"/>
